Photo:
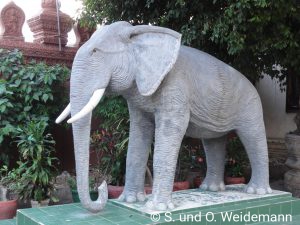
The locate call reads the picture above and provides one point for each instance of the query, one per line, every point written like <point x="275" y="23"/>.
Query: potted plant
<point x="110" y="142"/>
<point x="198" y="162"/>
<point x="191" y="161"/>
<point x="8" y="200"/>
<point x="182" y="169"/>
<point x="236" y="161"/>
<point x="234" y="173"/>
<point x="111" y="158"/>
<point x="35" y="171"/>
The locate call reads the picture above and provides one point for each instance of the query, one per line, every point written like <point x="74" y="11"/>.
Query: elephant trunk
<point x="81" y="126"/>
<point x="81" y="135"/>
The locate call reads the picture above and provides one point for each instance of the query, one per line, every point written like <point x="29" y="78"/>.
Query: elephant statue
<point x="171" y="90"/>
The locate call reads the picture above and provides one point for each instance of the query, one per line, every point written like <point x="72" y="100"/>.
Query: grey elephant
<point x="171" y="91"/>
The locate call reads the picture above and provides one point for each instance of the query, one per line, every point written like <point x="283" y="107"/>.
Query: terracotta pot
<point x="114" y="191"/>
<point x="197" y="181"/>
<point x="181" y="185"/>
<point x="8" y="209"/>
<point x="235" y="180"/>
<point x="192" y="174"/>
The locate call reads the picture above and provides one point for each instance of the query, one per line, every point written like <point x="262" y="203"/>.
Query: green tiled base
<point x="115" y="213"/>
<point x="8" y="222"/>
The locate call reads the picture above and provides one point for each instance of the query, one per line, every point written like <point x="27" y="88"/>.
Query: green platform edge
<point x="74" y="214"/>
<point x="8" y="222"/>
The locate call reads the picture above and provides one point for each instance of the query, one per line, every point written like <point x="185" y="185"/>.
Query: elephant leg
<point x="140" y="140"/>
<point x="169" y="132"/>
<point x="215" y="155"/>
<point x="253" y="136"/>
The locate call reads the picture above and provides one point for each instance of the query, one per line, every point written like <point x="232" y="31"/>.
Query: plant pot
<point x="114" y="191"/>
<point x="8" y="209"/>
<point x="235" y="180"/>
<point x="181" y="185"/>
<point x="197" y="181"/>
<point x="43" y="203"/>
<point x="24" y="203"/>
<point x="75" y="196"/>
<point x="192" y="174"/>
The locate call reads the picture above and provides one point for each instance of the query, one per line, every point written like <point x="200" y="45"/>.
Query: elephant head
<point x="116" y="57"/>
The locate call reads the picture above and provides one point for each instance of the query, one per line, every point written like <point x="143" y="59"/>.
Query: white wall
<point x="277" y="121"/>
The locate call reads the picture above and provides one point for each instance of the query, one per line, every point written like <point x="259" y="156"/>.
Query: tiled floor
<point x="191" y="204"/>
<point x="74" y="214"/>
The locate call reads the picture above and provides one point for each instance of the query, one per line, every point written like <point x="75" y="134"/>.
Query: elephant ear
<point x="156" y="50"/>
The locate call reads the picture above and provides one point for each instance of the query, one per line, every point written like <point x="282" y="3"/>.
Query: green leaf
<point x="2" y="87"/>
<point x="2" y="108"/>
<point x="17" y="82"/>
<point x="36" y="96"/>
<point x="45" y="97"/>
<point x="2" y="101"/>
<point x="27" y="108"/>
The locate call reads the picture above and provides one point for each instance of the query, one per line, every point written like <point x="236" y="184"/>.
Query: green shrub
<point x="28" y="91"/>
<point x="236" y="159"/>
<point x="34" y="174"/>
<point x="111" y="141"/>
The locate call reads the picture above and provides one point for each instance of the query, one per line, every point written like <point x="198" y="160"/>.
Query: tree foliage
<point x="28" y="91"/>
<point x="251" y="35"/>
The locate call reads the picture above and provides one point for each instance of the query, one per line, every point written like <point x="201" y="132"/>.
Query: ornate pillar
<point x="12" y="20"/>
<point x="45" y="25"/>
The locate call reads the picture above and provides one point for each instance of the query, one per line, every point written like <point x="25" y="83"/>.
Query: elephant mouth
<point x="92" y="103"/>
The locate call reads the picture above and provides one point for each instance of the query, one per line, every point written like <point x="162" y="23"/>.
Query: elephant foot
<point x="160" y="206"/>
<point x="212" y="185"/>
<point x="130" y="196"/>
<point x="253" y="188"/>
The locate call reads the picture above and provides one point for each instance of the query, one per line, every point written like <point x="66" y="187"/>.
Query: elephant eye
<point x="94" y="50"/>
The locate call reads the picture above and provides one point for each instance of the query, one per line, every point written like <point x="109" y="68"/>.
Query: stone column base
<point x="292" y="182"/>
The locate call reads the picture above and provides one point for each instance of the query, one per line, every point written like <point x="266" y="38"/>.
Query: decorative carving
<point x="45" y="27"/>
<point x="82" y="34"/>
<point x="45" y="31"/>
<point x="11" y="22"/>
<point x="49" y="4"/>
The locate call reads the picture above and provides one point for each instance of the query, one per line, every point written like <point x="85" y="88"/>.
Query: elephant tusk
<point x="64" y="114"/>
<point x="93" y="102"/>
